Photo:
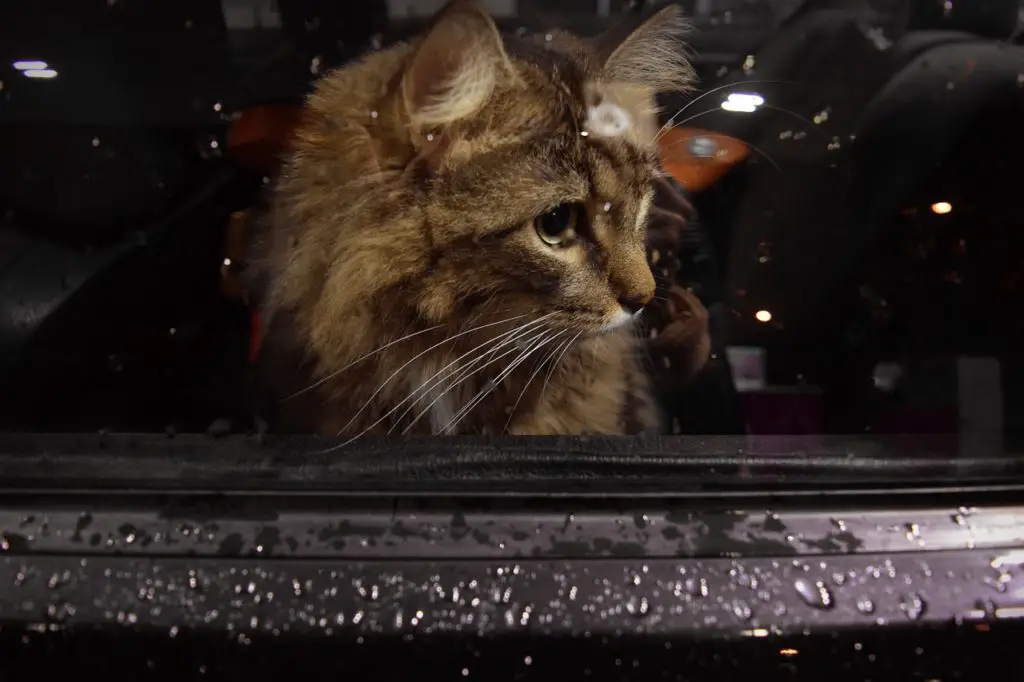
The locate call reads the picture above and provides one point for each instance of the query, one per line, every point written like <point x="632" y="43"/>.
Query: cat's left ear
<point x="455" y="67"/>
<point x="651" y="55"/>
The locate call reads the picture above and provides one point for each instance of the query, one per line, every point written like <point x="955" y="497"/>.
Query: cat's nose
<point x="635" y="301"/>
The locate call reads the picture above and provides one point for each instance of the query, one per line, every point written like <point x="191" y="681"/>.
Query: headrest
<point x="995" y="19"/>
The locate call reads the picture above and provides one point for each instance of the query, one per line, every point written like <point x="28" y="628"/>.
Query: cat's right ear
<point x="455" y="67"/>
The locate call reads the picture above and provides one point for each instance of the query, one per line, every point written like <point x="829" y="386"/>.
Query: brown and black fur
<point x="407" y="207"/>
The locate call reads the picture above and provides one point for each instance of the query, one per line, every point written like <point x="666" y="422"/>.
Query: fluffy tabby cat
<point x="456" y="241"/>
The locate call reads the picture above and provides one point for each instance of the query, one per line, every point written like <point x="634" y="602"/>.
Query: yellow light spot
<point x="763" y="316"/>
<point x="942" y="207"/>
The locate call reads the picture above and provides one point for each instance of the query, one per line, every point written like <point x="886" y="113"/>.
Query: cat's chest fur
<point x="596" y="387"/>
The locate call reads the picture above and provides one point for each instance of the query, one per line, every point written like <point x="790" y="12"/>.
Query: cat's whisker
<point x="465" y="373"/>
<point x="536" y="371"/>
<point x="514" y="333"/>
<point x="691" y="118"/>
<point x="489" y="388"/>
<point x="671" y="121"/>
<point x="492" y="385"/>
<point x="369" y="355"/>
<point x="507" y="338"/>
<point x="554" y="365"/>
<point x="750" y="146"/>
<point x="398" y="371"/>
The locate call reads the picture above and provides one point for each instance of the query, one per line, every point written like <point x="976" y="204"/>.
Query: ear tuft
<point x="455" y="67"/>
<point x="652" y="55"/>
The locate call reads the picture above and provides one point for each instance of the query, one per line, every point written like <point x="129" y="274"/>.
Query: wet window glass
<point x="778" y="220"/>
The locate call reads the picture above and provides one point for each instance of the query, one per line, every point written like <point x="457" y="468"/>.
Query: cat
<point x="456" y="241"/>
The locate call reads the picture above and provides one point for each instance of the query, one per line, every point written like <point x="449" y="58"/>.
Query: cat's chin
<point x="620" y="319"/>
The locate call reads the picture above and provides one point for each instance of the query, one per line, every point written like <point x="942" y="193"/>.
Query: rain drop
<point x="865" y="605"/>
<point x="698" y="587"/>
<point x="913" y="606"/>
<point x="741" y="609"/>
<point x="638" y="607"/>
<point x="816" y="595"/>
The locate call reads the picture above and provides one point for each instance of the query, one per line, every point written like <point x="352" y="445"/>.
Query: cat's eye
<point x="559" y="225"/>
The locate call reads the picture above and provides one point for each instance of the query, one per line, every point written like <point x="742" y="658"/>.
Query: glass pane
<point x="455" y="235"/>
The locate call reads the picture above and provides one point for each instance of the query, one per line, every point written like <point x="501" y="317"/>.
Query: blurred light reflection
<point x="40" y="73"/>
<point x="30" y="65"/>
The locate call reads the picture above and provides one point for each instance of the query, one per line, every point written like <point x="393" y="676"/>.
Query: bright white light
<point x="763" y="316"/>
<point x="942" y="207"/>
<point x="743" y="102"/>
<point x="40" y="73"/>
<point x="29" y="65"/>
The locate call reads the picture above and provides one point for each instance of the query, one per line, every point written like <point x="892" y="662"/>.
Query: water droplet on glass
<point x="865" y="605"/>
<point x="999" y="580"/>
<point x="913" y="606"/>
<point x="638" y="606"/>
<point x="741" y="609"/>
<point x="95" y="142"/>
<point x="314" y="66"/>
<point x="822" y="115"/>
<point x="816" y="594"/>
<point x="749" y="63"/>
<point x="987" y="607"/>
<point x="698" y="587"/>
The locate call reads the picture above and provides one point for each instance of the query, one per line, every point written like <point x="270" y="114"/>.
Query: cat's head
<point x="466" y="175"/>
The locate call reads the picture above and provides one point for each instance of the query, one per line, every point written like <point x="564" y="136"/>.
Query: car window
<point x="832" y="263"/>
